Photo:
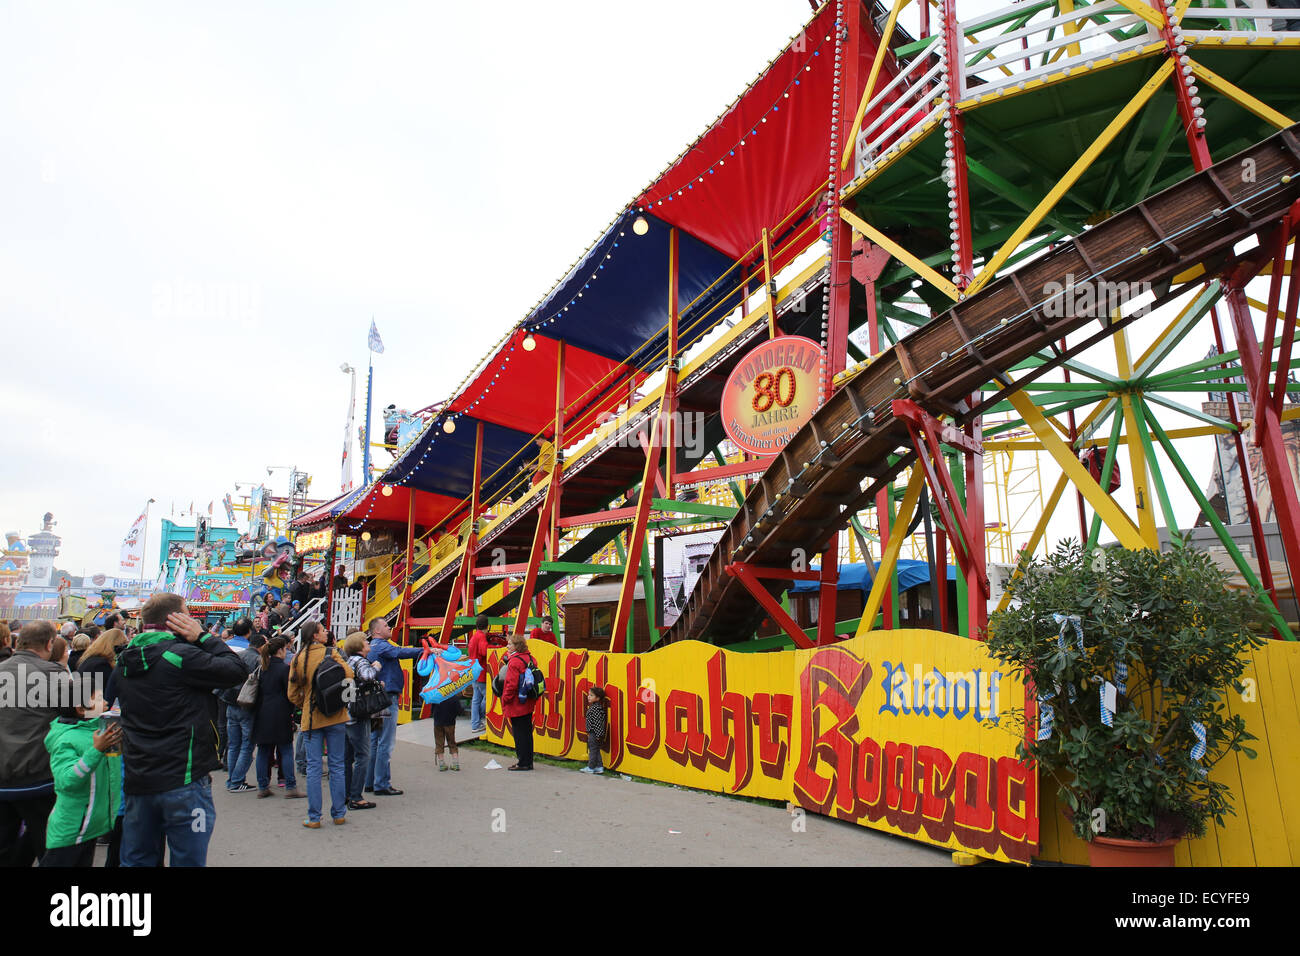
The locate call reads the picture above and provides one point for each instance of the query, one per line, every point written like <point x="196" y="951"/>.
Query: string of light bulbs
<point x="785" y="92"/>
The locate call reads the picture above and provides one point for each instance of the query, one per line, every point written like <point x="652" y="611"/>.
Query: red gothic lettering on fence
<point x="900" y="784"/>
<point x="936" y="781"/>
<point x="684" y="737"/>
<point x="772" y="714"/>
<point x="833" y="680"/>
<point x="734" y="708"/>
<point x="642" y="737"/>
<point x="973" y="794"/>
<point x="1017" y="804"/>
<point x="869" y="779"/>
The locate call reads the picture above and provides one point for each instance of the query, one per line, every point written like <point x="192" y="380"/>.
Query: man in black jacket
<point x="165" y="680"/>
<point x="26" y="783"/>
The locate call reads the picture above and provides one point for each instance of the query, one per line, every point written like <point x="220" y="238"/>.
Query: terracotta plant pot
<point x="1108" y="851"/>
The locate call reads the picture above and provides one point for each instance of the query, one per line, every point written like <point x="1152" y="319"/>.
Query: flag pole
<point x="365" y="443"/>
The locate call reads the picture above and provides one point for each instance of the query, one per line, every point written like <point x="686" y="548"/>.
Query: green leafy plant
<point x="1172" y="621"/>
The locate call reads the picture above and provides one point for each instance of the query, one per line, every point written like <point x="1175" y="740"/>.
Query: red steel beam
<point x="506" y="570"/>
<point x="977" y="579"/>
<point x="1247" y="481"/>
<point x="631" y="571"/>
<point x="721" y="473"/>
<point x="745" y="575"/>
<point x="541" y="540"/>
<point x="1288" y="326"/>
<point x="782" y="574"/>
<point x="597" y="517"/>
<point x="1268" y="428"/>
<point x="828" y="592"/>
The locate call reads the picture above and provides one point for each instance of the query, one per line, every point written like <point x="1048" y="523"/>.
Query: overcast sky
<point x="202" y="205"/>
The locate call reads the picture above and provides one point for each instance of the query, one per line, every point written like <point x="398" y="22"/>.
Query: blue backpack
<point x="532" y="683"/>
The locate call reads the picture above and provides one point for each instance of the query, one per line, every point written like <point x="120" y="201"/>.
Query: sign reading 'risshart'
<point x="771" y="394"/>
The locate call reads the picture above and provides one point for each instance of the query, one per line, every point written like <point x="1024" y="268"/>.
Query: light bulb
<point x="529" y="343"/>
<point x="365" y="536"/>
<point x="388" y="491"/>
<point x="640" y="226"/>
<point x="449" y="426"/>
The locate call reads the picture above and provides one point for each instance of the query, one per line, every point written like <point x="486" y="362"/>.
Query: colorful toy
<point x="448" y="671"/>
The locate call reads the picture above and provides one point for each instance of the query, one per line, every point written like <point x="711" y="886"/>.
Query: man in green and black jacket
<point x="165" y="678"/>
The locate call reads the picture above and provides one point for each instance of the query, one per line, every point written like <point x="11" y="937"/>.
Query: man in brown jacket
<point x="321" y="729"/>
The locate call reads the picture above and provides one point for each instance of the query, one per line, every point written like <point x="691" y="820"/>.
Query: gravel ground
<point x="552" y="816"/>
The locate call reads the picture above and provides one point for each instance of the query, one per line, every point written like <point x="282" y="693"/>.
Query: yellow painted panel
<point x="1266" y="828"/>
<point x="822" y="728"/>
<point x="1259" y="781"/>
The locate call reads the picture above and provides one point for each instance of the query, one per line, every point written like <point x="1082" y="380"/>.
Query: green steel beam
<point x="1107" y="469"/>
<point x="578" y="567"/>
<point x="1225" y="538"/>
<point x="1140" y="415"/>
<point x="724" y="512"/>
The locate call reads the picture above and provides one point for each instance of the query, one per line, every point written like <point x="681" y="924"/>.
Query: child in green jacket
<point x="87" y="785"/>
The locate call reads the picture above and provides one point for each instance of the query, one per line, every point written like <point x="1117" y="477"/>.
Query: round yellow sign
<point x="771" y="394"/>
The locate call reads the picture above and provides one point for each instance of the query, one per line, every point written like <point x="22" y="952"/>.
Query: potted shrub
<point x="1131" y="654"/>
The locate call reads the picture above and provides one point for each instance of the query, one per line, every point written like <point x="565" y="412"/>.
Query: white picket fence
<point x="345" y="614"/>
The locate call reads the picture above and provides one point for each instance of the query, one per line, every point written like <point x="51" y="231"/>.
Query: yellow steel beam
<point x="1102" y="503"/>
<point x="889" y="558"/>
<point x="1181" y="7"/>
<point x="1070" y="27"/>
<point x="1241" y="97"/>
<point x="1137" y="459"/>
<point x="1067" y="181"/>
<point x="901" y="254"/>
<point x="1039" y="530"/>
<point x="876" y="63"/>
<point x="1144" y="11"/>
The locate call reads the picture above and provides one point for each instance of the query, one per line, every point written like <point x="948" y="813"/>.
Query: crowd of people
<point x="124" y="753"/>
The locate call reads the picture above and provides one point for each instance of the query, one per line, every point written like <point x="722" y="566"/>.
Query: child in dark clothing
<point x="444" y="731"/>
<point x="596" y="726"/>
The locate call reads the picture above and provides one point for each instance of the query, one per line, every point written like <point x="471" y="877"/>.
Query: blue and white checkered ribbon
<point x="1046" y="715"/>
<point x="1107" y="715"/>
<point x="1199" y="748"/>
<point x="1065" y="620"/>
<point x="1121" y="668"/>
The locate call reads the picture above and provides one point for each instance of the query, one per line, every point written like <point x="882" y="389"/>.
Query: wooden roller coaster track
<point x="854" y="445"/>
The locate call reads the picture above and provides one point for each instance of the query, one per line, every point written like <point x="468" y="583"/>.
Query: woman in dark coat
<point x="100" y="658"/>
<point x="273" y="720"/>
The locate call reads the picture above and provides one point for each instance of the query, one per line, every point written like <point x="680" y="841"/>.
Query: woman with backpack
<point x="519" y="709"/>
<point x="357" y="756"/>
<point x="316" y="684"/>
<point x="273" y="720"/>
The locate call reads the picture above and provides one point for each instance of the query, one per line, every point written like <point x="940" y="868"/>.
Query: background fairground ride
<point x="1014" y="231"/>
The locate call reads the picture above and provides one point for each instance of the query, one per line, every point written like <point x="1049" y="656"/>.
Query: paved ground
<point x="551" y="817"/>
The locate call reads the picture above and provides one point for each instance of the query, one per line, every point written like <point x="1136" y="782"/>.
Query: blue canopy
<point x="910" y="574"/>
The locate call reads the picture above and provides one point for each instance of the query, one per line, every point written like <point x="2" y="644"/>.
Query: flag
<point x="160" y="585"/>
<point x="209" y="509"/>
<point x="374" y="341"/>
<point x="179" y="584"/>
<point x="131" y="558"/>
<point x="230" y="509"/>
